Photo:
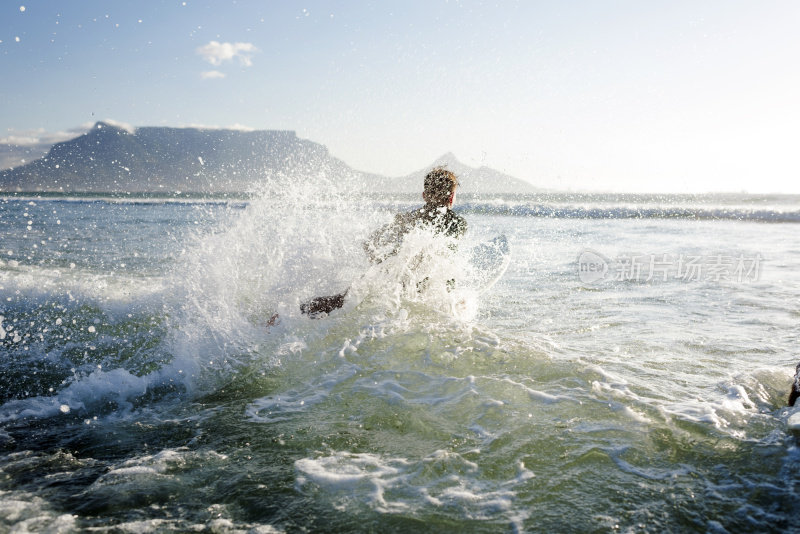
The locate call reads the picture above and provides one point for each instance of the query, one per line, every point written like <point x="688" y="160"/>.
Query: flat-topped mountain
<point x="112" y="159"/>
<point x="156" y="159"/>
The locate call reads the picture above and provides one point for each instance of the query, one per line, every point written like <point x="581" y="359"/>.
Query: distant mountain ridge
<point x="112" y="159"/>
<point x="12" y="155"/>
<point x="478" y="181"/>
<point x="159" y="159"/>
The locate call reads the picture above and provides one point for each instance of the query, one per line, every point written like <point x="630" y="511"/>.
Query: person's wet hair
<point x="439" y="185"/>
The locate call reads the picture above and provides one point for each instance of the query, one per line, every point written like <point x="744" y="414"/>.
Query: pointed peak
<point x="446" y="158"/>
<point x="451" y="163"/>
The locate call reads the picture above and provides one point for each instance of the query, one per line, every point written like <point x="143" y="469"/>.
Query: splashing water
<point x="143" y="390"/>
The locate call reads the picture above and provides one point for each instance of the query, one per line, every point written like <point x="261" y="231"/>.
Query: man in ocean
<point x="439" y="193"/>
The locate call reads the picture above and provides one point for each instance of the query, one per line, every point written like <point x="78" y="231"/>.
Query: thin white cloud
<point x="211" y="75"/>
<point x="19" y="140"/>
<point x="19" y="145"/>
<point x="240" y="128"/>
<point x="237" y="127"/>
<point x="122" y="125"/>
<point x="217" y="53"/>
<point x="41" y="137"/>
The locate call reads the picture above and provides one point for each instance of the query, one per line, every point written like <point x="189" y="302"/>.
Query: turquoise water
<point x="141" y="389"/>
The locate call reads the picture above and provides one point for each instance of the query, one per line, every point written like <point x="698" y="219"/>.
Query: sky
<point x="657" y="96"/>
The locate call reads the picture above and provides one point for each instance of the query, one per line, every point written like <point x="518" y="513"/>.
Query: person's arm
<point x="385" y="240"/>
<point x="371" y="244"/>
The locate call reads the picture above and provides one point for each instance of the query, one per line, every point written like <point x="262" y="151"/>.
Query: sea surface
<point x="629" y="372"/>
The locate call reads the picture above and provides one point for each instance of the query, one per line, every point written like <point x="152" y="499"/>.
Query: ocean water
<point x="629" y="373"/>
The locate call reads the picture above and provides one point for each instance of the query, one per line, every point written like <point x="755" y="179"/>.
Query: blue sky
<point x="664" y="96"/>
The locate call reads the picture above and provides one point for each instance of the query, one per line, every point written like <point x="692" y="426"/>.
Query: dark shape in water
<point x="315" y="307"/>
<point x="795" y="393"/>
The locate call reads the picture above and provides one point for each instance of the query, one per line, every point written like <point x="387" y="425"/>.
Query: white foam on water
<point x="288" y="244"/>
<point x="406" y="374"/>
<point x="216" y="301"/>
<point x="160" y="464"/>
<point x="98" y="388"/>
<point x="793" y="418"/>
<point x="22" y="512"/>
<point x="298" y="240"/>
<point x="230" y="282"/>
<point x="650" y="473"/>
<point x="111" y="290"/>
<point x="442" y="480"/>
<point x="539" y="396"/>
<point x="728" y="406"/>
<point x="691" y="410"/>
<point x="179" y="525"/>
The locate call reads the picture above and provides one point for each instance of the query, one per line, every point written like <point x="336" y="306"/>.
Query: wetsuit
<point x="386" y="242"/>
<point x="443" y="221"/>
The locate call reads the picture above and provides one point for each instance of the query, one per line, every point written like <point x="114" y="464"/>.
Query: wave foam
<point x="442" y="480"/>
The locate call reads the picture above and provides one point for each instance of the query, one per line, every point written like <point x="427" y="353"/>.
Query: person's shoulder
<point x="406" y="217"/>
<point x="457" y="225"/>
<point x="415" y="216"/>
